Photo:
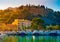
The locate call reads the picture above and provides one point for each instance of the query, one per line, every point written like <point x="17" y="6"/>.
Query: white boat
<point x="58" y="32"/>
<point x="22" y="33"/>
<point x="47" y="32"/>
<point x="2" y="34"/>
<point x="41" y="32"/>
<point x="36" y="33"/>
<point x="53" y="33"/>
<point x="11" y="33"/>
<point x="29" y="32"/>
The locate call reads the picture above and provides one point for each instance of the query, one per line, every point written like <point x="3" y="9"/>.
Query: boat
<point x="29" y="32"/>
<point x="53" y="33"/>
<point x="46" y="33"/>
<point x="21" y="33"/>
<point x="41" y="32"/>
<point x="35" y="33"/>
<point x="58" y="32"/>
<point x="2" y="34"/>
<point x="12" y="33"/>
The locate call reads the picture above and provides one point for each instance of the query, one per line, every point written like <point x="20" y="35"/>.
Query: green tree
<point x="37" y="23"/>
<point x="57" y="27"/>
<point x="50" y="27"/>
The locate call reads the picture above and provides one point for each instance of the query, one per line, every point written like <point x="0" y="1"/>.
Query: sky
<point x="53" y="4"/>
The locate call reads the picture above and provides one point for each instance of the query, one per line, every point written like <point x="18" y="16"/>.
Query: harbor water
<point x="30" y="39"/>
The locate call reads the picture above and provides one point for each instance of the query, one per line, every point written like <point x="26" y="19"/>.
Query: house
<point x="10" y="27"/>
<point x="22" y="23"/>
<point x="2" y="26"/>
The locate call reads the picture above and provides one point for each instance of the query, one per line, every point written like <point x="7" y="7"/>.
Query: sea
<point x="29" y="38"/>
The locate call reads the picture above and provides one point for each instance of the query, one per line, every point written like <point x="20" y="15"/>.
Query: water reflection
<point x="30" y="39"/>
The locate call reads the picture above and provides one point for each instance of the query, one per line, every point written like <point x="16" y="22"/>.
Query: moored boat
<point x="21" y="33"/>
<point x="29" y="32"/>
<point x="35" y="33"/>
<point x="2" y="34"/>
<point x="53" y="33"/>
<point x="58" y="32"/>
<point x="46" y="33"/>
<point x="11" y="33"/>
<point x="41" y="32"/>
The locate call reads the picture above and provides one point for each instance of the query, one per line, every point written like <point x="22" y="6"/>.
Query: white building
<point x="21" y="23"/>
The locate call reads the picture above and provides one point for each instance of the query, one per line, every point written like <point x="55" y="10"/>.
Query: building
<point x="10" y="27"/>
<point x="2" y="26"/>
<point x="21" y="23"/>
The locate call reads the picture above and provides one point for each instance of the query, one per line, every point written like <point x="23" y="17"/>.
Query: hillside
<point x="29" y="12"/>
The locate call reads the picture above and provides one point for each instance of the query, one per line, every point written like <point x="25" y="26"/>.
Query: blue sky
<point x="53" y="4"/>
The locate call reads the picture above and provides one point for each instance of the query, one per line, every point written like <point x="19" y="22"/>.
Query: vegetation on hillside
<point x="29" y="12"/>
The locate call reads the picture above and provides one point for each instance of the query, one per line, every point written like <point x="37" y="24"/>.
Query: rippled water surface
<point x="30" y="39"/>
